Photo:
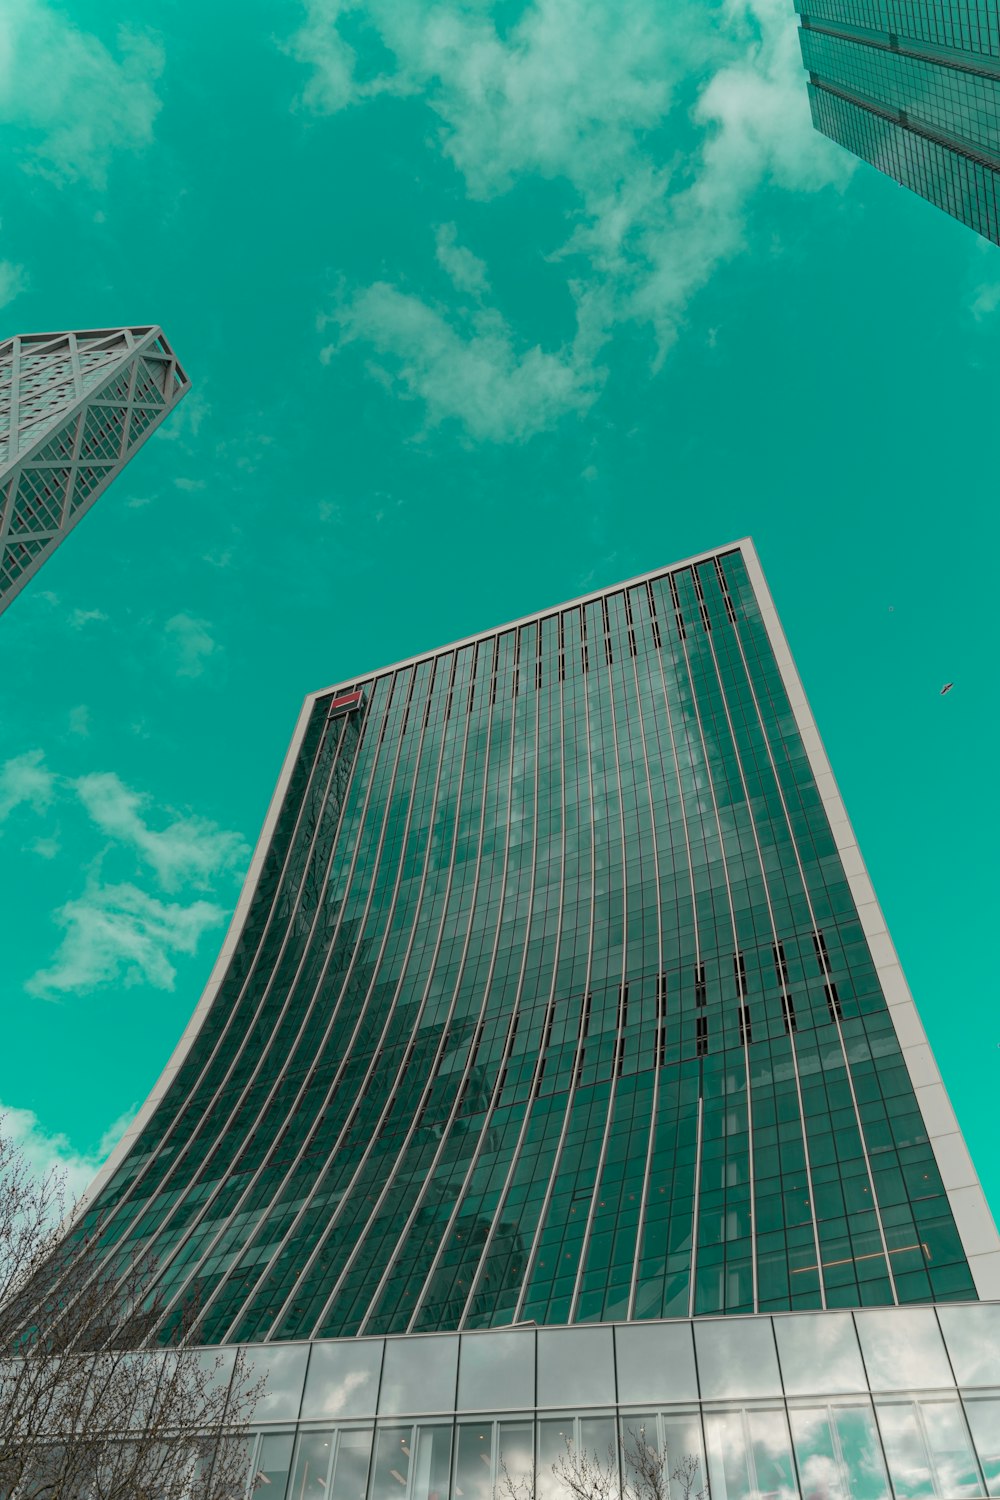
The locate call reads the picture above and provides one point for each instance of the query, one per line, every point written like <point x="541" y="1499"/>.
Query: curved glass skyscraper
<point x="557" y="994"/>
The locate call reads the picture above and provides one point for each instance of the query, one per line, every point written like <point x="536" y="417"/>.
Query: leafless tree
<point x="643" y="1473"/>
<point x="86" y="1411"/>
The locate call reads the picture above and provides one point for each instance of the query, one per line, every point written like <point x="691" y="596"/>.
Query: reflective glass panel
<point x="331" y="1463"/>
<point x="928" y="1450"/>
<point x="676" y="1438"/>
<point x="274" y="1459"/>
<point x="819" y="1354"/>
<point x="903" y="1349"/>
<point x="973" y="1338"/>
<point x="419" y="1375"/>
<point x="430" y="1472"/>
<point x="496" y="1372"/>
<point x="838" y="1453"/>
<point x="576" y="1458"/>
<point x="983" y="1413"/>
<point x="749" y="1456"/>
<point x="343" y="1379"/>
<point x="474" y="1459"/>
<point x="391" y="1465"/>
<point x="516" y="1451"/>
<point x="576" y="1367"/>
<point x="950" y="1448"/>
<point x="284" y="1368"/>
<point x="655" y="1362"/>
<point x="736" y="1357"/>
<point x="350" y="1474"/>
<point x="313" y="1462"/>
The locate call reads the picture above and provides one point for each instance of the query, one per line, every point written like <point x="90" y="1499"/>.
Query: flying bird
<point x="947" y="688"/>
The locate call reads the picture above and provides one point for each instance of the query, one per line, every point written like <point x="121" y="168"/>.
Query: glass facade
<point x="814" y="1406"/>
<point x="550" y="998"/>
<point x="913" y="87"/>
<point x="74" y="407"/>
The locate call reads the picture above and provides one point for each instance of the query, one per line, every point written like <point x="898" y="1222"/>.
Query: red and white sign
<point x="345" y="703"/>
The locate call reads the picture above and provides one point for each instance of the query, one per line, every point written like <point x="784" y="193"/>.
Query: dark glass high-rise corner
<point x="913" y="87"/>
<point x="557" y="994"/>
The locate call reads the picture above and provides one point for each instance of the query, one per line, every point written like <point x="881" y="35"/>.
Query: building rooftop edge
<point x="744" y="543"/>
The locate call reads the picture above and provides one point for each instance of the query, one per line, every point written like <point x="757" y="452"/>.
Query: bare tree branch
<point x="88" y="1410"/>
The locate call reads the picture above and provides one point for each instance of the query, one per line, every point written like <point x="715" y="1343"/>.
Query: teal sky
<point x="486" y="303"/>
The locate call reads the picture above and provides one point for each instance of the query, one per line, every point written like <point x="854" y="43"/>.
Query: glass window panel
<point x="728" y="1456"/>
<point x="496" y="1371"/>
<point x="274" y="1459"/>
<point x="313" y="1461"/>
<point x="474" y="1461"/>
<point x="516" y="1450"/>
<point x="576" y="1367"/>
<point x="555" y="1439"/>
<point x="419" y="1375"/>
<point x="350" y="1474"/>
<point x="432" y="1466"/>
<point x="903" y="1349"/>
<point x="950" y="1448"/>
<point x="905" y="1451"/>
<point x="284" y="1368"/>
<point x="736" y="1358"/>
<point x="597" y="1438"/>
<point x="655" y="1362"/>
<point x="771" y="1454"/>
<point x="973" y="1338"/>
<point x="983" y="1413"/>
<point x="391" y="1467"/>
<point x="838" y="1453"/>
<point x="676" y="1436"/>
<point x="819" y="1353"/>
<point x="343" y="1379"/>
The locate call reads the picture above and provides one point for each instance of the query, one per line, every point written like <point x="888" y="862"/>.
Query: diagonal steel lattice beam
<point x="74" y="408"/>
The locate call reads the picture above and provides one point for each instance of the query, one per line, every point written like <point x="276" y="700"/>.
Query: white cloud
<point x="120" y="933"/>
<point x="466" y="271"/>
<point x="476" y="373"/>
<point x="46" y="1151"/>
<point x="12" y="281"/>
<point x="81" y="617"/>
<point x="191" y="644"/>
<point x="25" y="779"/>
<point x="46" y="848"/>
<point x="188" y="850"/>
<point x="584" y="92"/>
<point x="985" y="300"/>
<point x="79" y="720"/>
<point x="74" y="102"/>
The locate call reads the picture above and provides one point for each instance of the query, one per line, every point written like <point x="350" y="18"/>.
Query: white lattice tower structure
<point x="74" y="407"/>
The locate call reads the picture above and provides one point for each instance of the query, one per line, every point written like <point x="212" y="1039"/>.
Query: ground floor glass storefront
<point x="893" y="1404"/>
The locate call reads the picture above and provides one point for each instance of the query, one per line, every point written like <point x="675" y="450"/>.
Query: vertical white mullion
<point x="736" y="946"/>
<point x="752" y="575"/>
<point x="331" y="948"/>
<point x="529" y="1264"/>
<point x="660" y="1014"/>
<point x="346" y="1195"/>
<point x="619" y="1029"/>
<point x="775" y="940"/>
<point x="682" y="799"/>
<point x="205" y="1209"/>
<point x="480" y="1020"/>
<point x="696" y="1206"/>
<point x="418" y="1018"/>
<point x="516" y="1153"/>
